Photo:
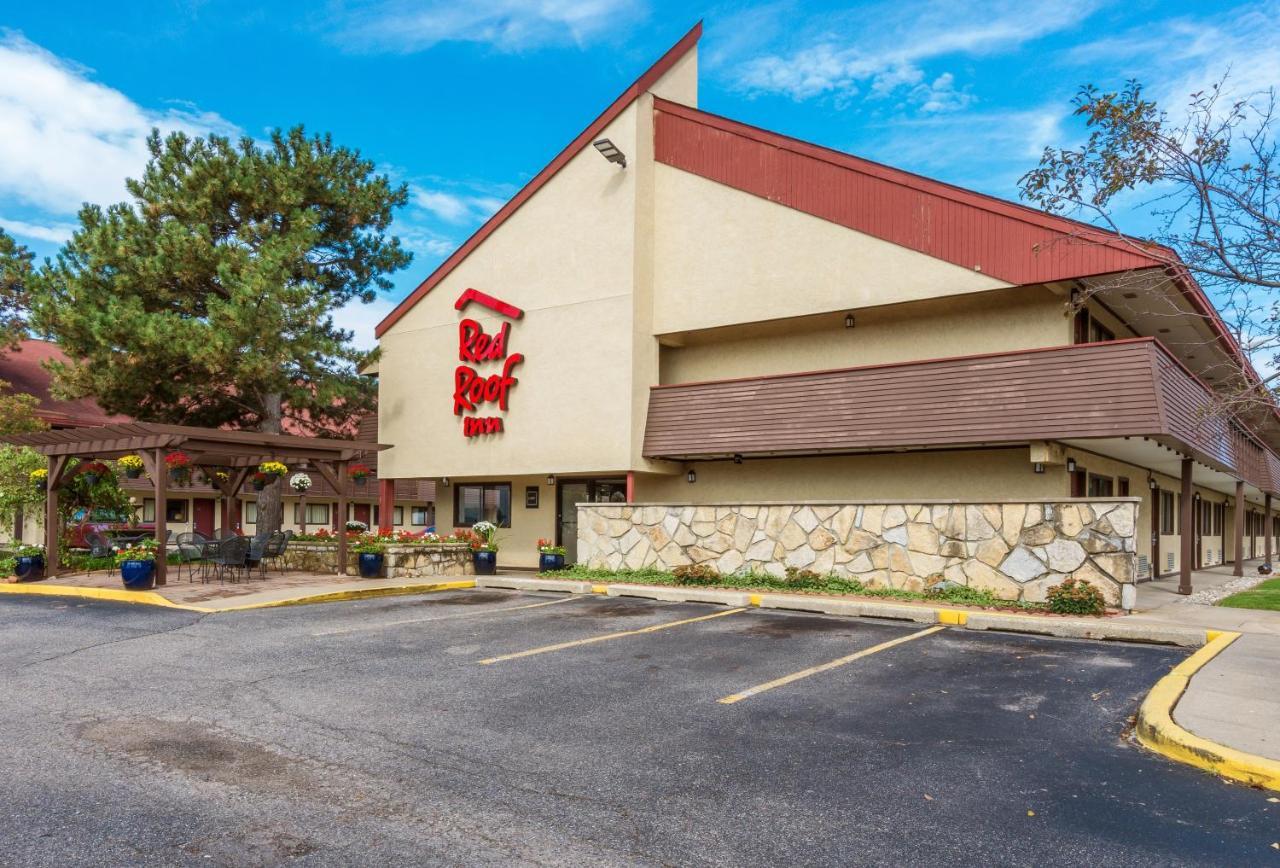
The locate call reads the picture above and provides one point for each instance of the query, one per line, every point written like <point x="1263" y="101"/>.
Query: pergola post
<point x="386" y="505"/>
<point x="57" y="465"/>
<point x="1239" y="528"/>
<point x="1186" y="526"/>
<point x="340" y="470"/>
<point x="160" y="476"/>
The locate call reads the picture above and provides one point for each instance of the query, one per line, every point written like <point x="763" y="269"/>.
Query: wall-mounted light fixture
<point x="444" y="482"/>
<point x="610" y="152"/>
<point x="1151" y="483"/>
<point x="849" y="321"/>
<point x="1196" y="498"/>
<point x="1039" y="467"/>
<point x="551" y="480"/>
<point x="692" y="476"/>
<point x="1071" y="465"/>
<point x="737" y="458"/>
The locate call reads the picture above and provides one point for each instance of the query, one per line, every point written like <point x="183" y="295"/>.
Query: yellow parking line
<point x="653" y="629"/>
<point x="445" y="617"/>
<point x="814" y="670"/>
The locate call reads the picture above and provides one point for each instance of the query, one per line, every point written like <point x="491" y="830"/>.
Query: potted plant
<point x="137" y="565"/>
<point x="550" y="556"/>
<point x="179" y="466"/>
<point x="484" y="548"/>
<point x="29" y="563"/>
<point x="371" y="551"/>
<point x="131" y="465"/>
<point x="40" y="478"/>
<point x="300" y="482"/>
<point x="260" y="480"/>
<point x="273" y="470"/>
<point x="359" y="473"/>
<point x="357" y="527"/>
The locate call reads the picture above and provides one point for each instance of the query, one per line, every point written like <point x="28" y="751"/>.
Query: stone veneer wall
<point x="401" y="562"/>
<point x="1015" y="549"/>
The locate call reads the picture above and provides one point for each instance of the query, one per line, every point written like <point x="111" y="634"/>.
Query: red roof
<point x="24" y="371"/>
<point x="628" y="96"/>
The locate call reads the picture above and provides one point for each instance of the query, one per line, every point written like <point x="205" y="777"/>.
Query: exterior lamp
<point x="692" y="476"/>
<point x="737" y="458"/>
<point x="610" y="152"/>
<point x="1151" y="483"/>
<point x="1039" y="467"/>
<point x="1071" y="465"/>
<point x="551" y="479"/>
<point x="444" y="482"/>
<point x="849" y="321"/>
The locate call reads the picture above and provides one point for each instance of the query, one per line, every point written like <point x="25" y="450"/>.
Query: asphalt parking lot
<point x="492" y="727"/>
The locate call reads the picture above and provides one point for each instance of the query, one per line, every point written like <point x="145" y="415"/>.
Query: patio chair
<point x="231" y="556"/>
<point x="259" y="546"/>
<point x="191" y="551"/>
<point x="276" y="545"/>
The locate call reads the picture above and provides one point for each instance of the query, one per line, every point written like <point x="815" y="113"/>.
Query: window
<point x="397" y="516"/>
<point x="317" y="513"/>
<point x="1100" y="486"/>
<point x="1168" y="514"/>
<point x="251" y="513"/>
<point x="418" y="515"/>
<point x="175" y="510"/>
<point x="149" y="509"/>
<point x="1098" y="332"/>
<point x="487" y="502"/>
<point x="1089" y="331"/>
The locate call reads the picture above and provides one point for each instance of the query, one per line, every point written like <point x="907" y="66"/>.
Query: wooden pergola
<point x="210" y="449"/>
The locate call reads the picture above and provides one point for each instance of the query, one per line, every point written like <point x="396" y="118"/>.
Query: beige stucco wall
<point x="724" y="257"/>
<point x="518" y="543"/>
<point x="997" y="321"/>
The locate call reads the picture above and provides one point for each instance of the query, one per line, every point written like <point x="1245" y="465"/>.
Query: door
<point x="362" y="514"/>
<point x="571" y="492"/>
<point x="202" y="509"/>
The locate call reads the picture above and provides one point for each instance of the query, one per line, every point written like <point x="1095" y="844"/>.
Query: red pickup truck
<point x="109" y="524"/>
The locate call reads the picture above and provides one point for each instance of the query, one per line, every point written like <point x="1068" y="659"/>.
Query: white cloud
<point x="56" y="233"/>
<point x="890" y="45"/>
<point x="362" y="319"/>
<point x="66" y="139"/>
<point x="454" y="207"/>
<point x="508" y="25"/>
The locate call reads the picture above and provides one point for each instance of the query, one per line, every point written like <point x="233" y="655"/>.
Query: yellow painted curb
<point x="118" y="595"/>
<point x="1157" y="730"/>
<point x="754" y="599"/>
<point x="151" y="598"/>
<point x="953" y="616"/>
<point x="599" y="589"/>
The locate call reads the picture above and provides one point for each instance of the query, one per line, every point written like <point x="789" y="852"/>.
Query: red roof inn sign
<point x="472" y="389"/>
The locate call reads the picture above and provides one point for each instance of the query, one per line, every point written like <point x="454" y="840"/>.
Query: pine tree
<point x="209" y="298"/>
<point x="15" y="277"/>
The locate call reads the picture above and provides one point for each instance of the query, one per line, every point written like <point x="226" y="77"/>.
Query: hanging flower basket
<point x="273" y="469"/>
<point x="359" y="473"/>
<point x="93" y="472"/>
<point x="300" y="482"/>
<point x="260" y="480"/>
<point x="179" y="465"/>
<point x="131" y="465"/>
<point x="40" y="479"/>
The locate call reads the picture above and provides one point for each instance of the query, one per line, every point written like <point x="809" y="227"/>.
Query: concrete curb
<point x="1157" y="730"/>
<point x="151" y="598"/>
<point x="1066" y="628"/>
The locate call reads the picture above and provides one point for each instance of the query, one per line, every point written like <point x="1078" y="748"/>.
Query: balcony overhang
<point x="1118" y="389"/>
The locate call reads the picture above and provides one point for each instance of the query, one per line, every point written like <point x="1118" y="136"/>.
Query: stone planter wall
<point x="401" y="561"/>
<point x="1014" y="549"/>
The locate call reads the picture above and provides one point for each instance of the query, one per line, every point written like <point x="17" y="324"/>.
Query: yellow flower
<point x="37" y="475"/>
<point x="273" y="468"/>
<point x="131" y="462"/>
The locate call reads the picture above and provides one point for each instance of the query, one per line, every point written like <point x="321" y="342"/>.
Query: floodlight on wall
<point x="610" y="152"/>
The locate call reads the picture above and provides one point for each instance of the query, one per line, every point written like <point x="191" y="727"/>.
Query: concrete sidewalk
<point x="1232" y="700"/>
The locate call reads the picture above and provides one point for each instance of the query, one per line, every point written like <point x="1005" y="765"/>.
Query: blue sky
<point x="466" y="101"/>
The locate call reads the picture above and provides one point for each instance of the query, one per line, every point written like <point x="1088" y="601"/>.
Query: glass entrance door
<point x="571" y="492"/>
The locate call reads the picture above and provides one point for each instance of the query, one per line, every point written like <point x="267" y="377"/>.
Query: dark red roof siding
<point x="23" y="370"/>
<point x="1007" y="241"/>
<point x="1115" y="389"/>
<point x="628" y="96"/>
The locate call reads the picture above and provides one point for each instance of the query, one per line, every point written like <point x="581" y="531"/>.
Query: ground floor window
<point x="1168" y="513"/>
<point x="317" y="513"/>
<point x="250" y="513"/>
<point x="473" y="502"/>
<point x="149" y="509"/>
<point x="1101" y="486"/>
<point x="175" y="510"/>
<point x="418" y="515"/>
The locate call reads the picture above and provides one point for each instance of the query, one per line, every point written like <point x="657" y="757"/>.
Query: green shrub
<point x="8" y="567"/>
<point x="1076" y="597"/>
<point x="696" y="574"/>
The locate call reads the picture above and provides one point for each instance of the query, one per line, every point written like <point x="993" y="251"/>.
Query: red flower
<point x="177" y="460"/>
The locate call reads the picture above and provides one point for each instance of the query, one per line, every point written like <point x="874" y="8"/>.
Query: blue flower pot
<point x="547" y="563"/>
<point x="370" y="565"/>
<point x="30" y="568"/>
<point x="486" y="563"/>
<point x="138" y="575"/>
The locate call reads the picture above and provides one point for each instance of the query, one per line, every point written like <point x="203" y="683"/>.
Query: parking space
<point x="493" y="726"/>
